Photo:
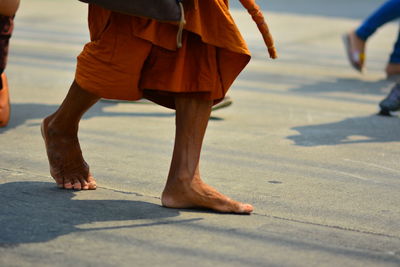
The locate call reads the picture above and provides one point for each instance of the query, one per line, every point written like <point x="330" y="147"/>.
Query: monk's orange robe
<point x="130" y="57"/>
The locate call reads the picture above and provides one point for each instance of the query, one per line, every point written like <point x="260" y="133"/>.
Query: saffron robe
<point x="131" y="57"/>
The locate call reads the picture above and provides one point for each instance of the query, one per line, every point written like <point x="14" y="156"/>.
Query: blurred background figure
<point x="8" y="8"/>
<point x="355" y="41"/>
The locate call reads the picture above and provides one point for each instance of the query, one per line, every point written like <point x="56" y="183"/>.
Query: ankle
<point x="55" y="127"/>
<point x="357" y="41"/>
<point x="392" y="68"/>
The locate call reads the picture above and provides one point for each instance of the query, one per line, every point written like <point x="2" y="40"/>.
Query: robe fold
<point x="131" y="57"/>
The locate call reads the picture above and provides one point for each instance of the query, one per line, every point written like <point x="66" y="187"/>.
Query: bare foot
<point x="67" y="166"/>
<point x="194" y="193"/>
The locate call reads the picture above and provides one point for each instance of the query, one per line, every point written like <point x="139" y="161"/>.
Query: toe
<point x="92" y="186"/>
<point x="59" y="181"/>
<point x="76" y="184"/>
<point x="68" y="185"/>
<point x="246" y="208"/>
<point x="242" y="208"/>
<point x="68" y="182"/>
<point x="91" y="182"/>
<point x="83" y="184"/>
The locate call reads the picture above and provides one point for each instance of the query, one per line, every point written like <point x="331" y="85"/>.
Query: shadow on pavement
<point x="22" y="112"/>
<point x="296" y="85"/>
<point x="33" y="212"/>
<point x="347" y="85"/>
<point x="369" y="129"/>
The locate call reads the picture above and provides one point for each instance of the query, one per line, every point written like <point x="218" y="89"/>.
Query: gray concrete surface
<point x="301" y="142"/>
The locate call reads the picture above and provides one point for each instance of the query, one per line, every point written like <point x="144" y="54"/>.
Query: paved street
<point x="302" y="142"/>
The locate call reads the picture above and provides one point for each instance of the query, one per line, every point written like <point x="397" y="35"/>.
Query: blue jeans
<point x="389" y="11"/>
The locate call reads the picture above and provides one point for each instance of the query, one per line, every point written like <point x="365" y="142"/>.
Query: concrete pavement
<point x="301" y="142"/>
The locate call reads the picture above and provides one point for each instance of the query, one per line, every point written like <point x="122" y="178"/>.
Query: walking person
<point x="130" y="58"/>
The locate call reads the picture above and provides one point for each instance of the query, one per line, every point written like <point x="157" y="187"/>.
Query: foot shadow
<point x="33" y="212"/>
<point x="369" y="129"/>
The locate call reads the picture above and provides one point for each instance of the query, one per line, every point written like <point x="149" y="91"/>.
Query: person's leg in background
<point x="8" y="8"/>
<point x="6" y="28"/>
<point x="393" y="67"/>
<point x="392" y="102"/>
<point x="356" y="40"/>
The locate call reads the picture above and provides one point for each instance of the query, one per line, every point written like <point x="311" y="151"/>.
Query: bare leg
<point x="184" y="188"/>
<point x="392" y="69"/>
<point x="4" y="102"/>
<point x="60" y="133"/>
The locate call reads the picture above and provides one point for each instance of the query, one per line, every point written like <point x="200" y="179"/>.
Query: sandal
<point x="226" y="102"/>
<point x="356" y="58"/>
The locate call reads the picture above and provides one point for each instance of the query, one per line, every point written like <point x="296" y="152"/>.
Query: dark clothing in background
<point x="6" y="28"/>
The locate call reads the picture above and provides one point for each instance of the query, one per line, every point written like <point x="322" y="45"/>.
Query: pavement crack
<point x="328" y="226"/>
<point x="20" y="172"/>
<point x="126" y="192"/>
<point x="9" y="170"/>
<point x="254" y="214"/>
